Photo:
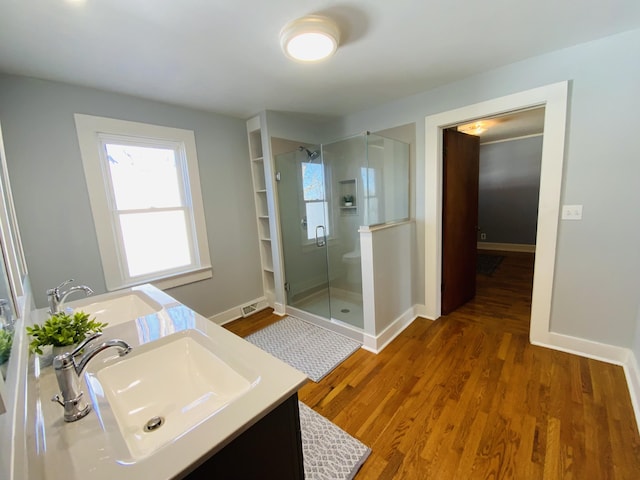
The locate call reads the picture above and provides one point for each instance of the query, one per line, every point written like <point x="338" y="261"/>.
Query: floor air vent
<point x="249" y="309"/>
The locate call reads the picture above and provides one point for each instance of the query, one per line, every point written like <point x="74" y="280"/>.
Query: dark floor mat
<point x="487" y="264"/>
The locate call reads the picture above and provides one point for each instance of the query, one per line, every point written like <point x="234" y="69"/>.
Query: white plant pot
<point x="49" y="353"/>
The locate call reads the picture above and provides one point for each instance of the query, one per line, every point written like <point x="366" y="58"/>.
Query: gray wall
<point x="509" y="188"/>
<point x="597" y="275"/>
<point x="636" y="341"/>
<point x="303" y="129"/>
<point x="52" y="202"/>
<point x="597" y="267"/>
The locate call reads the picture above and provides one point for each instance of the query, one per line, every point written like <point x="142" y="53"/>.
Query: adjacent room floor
<point x="468" y="397"/>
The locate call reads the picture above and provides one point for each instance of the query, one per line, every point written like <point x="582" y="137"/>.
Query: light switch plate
<point x="572" y="212"/>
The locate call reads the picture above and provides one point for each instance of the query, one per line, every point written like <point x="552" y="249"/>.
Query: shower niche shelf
<point x="348" y="196"/>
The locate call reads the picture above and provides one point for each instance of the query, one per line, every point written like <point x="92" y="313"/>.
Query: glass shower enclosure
<point x="325" y="194"/>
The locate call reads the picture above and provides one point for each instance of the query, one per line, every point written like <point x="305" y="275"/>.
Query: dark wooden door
<point x="461" y="160"/>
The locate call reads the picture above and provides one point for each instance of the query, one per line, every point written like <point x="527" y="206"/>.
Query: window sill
<point x="174" y="280"/>
<point x="185" y="278"/>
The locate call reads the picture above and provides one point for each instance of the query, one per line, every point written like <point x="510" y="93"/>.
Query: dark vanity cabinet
<point x="271" y="448"/>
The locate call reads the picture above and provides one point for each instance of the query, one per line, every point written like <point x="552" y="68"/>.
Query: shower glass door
<point x="303" y="200"/>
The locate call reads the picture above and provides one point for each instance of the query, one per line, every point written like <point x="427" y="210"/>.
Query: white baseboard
<point x="235" y="313"/>
<point x="603" y="352"/>
<point x="279" y="309"/>
<point x="378" y="342"/>
<point x="421" y="310"/>
<point x="585" y="348"/>
<point x="507" y="247"/>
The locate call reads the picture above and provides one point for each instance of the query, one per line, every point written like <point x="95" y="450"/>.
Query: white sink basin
<point x="178" y="381"/>
<point x="117" y="308"/>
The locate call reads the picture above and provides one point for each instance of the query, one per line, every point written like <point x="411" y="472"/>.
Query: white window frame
<point x="303" y="205"/>
<point x="92" y="133"/>
<point x="368" y="197"/>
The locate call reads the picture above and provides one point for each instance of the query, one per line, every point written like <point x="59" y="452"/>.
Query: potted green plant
<point x="62" y="330"/>
<point x="348" y="200"/>
<point x="6" y="340"/>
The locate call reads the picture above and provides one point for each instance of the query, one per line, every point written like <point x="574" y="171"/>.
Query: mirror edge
<point x="14" y="257"/>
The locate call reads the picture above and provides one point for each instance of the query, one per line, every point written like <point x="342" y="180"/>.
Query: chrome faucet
<point x="56" y="298"/>
<point x="68" y="376"/>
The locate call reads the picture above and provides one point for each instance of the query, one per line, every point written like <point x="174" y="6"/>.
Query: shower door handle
<point x="320" y="241"/>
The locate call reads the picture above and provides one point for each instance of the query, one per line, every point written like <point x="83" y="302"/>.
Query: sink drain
<point x="153" y="424"/>
<point x="345" y="310"/>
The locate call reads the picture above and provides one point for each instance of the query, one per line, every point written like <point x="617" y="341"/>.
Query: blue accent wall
<point x="509" y="189"/>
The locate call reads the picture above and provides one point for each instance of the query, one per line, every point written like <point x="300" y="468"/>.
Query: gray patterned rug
<point x="313" y="350"/>
<point x="329" y="452"/>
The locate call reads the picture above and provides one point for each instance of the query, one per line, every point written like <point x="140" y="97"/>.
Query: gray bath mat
<point x="329" y="452"/>
<point x="313" y="350"/>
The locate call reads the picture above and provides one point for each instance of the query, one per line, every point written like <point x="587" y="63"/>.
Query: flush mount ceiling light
<point x="310" y="39"/>
<point x="478" y="127"/>
<point x="475" y="128"/>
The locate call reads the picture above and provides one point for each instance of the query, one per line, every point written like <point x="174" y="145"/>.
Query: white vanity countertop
<point x="84" y="449"/>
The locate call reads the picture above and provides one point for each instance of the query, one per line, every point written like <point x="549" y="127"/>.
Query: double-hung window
<point x="145" y="198"/>
<point x="371" y="198"/>
<point x="316" y="207"/>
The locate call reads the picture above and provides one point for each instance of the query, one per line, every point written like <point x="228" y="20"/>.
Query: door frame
<point x="554" y="98"/>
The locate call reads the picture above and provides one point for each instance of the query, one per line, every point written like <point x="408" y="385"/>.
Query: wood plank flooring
<point x="467" y="397"/>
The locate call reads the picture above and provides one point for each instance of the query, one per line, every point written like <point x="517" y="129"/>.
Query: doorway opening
<point x="491" y="184"/>
<point x="554" y="99"/>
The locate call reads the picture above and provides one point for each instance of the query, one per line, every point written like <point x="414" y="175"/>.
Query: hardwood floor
<point x="467" y="397"/>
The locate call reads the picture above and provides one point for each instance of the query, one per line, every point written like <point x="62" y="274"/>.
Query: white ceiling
<point x="224" y="55"/>
<point x="509" y="126"/>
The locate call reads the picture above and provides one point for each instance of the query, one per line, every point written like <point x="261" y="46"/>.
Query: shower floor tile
<point x="343" y="308"/>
